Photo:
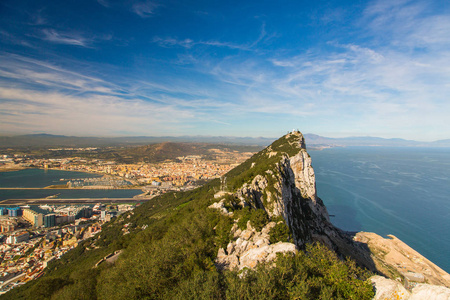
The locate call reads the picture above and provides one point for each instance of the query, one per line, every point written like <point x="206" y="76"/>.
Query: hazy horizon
<point x="256" y="68"/>
<point x="308" y="136"/>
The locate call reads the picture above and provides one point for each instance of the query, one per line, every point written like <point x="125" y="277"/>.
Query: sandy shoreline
<point x="7" y="168"/>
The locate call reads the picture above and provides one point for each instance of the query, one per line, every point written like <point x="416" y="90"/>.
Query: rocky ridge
<point x="285" y="187"/>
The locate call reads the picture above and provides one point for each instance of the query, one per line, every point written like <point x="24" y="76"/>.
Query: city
<point x="31" y="240"/>
<point x="32" y="236"/>
<point x="181" y="173"/>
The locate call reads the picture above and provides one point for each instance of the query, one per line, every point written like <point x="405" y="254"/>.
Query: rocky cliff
<point x="280" y="181"/>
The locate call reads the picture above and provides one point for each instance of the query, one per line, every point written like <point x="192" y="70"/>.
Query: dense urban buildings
<point x="26" y="251"/>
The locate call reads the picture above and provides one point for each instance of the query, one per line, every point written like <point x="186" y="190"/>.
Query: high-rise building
<point x="50" y="220"/>
<point x="85" y="212"/>
<point x="14" y="211"/>
<point x="3" y="211"/>
<point x="36" y="219"/>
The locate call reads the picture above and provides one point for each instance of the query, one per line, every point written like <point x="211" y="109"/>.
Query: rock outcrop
<point x="285" y="186"/>
<point x="394" y="258"/>
<point x="250" y="247"/>
<point x="392" y="289"/>
<point x="289" y="190"/>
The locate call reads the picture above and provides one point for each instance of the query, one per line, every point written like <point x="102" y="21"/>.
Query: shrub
<point x="259" y="218"/>
<point x="280" y="233"/>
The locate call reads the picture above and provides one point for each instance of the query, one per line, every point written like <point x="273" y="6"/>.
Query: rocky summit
<point x="283" y="185"/>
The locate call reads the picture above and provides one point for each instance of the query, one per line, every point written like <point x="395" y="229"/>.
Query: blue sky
<point x="238" y="68"/>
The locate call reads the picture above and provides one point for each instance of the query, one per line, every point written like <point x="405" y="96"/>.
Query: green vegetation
<point x="315" y="274"/>
<point x="173" y="257"/>
<point x="280" y="233"/>
<point x="258" y="218"/>
<point x="263" y="161"/>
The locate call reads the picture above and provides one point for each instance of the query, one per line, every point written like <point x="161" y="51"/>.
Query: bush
<point x="231" y="203"/>
<point x="316" y="274"/>
<point x="244" y="216"/>
<point x="259" y="218"/>
<point x="280" y="233"/>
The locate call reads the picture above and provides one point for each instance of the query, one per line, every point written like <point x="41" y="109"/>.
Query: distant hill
<point x="317" y="141"/>
<point x="170" y="150"/>
<point x="44" y="140"/>
<point x="312" y="140"/>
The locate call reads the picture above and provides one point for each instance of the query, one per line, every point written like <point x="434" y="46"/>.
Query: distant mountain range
<point x="317" y="140"/>
<point x="41" y="140"/>
<point x="312" y="140"/>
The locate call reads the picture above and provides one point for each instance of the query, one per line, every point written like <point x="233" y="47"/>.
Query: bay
<point x="39" y="178"/>
<point x="399" y="191"/>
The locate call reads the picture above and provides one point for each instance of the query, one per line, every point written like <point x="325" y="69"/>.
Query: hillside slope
<point x="175" y="246"/>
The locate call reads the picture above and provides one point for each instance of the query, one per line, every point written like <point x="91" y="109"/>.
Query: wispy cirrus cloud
<point x="69" y="114"/>
<point x="189" y="43"/>
<point x="408" y="23"/>
<point x="37" y="95"/>
<point x="26" y="72"/>
<point x="389" y="86"/>
<point x="67" y="38"/>
<point x="144" y="9"/>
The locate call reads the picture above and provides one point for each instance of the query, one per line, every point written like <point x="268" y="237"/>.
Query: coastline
<point x="12" y="169"/>
<point x="396" y="259"/>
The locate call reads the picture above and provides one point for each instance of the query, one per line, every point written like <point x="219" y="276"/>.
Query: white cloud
<point x="189" y="43"/>
<point x="144" y="9"/>
<point x="395" y="79"/>
<point x="75" y="39"/>
<point x="36" y="95"/>
<point x="25" y="72"/>
<point x="55" y="112"/>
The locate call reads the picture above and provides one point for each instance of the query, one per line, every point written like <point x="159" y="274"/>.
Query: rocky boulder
<point x="392" y="289"/>
<point x="250" y="247"/>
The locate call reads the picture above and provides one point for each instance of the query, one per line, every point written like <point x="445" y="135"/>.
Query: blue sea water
<point x="38" y="178"/>
<point x="399" y="191"/>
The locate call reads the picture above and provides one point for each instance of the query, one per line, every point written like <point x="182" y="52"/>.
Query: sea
<point x="399" y="191"/>
<point x="39" y="178"/>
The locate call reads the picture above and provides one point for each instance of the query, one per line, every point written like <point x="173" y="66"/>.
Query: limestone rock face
<point x="430" y="292"/>
<point x="388" y="289"/>
<point x="250" y="248"/>
<point x="284" y="185"/>
<point x="391" y="289"/>
<point x="289" y="190"/>
<point x="280" y="180"/>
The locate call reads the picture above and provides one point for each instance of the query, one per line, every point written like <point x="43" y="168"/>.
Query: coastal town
<point x="31" y="239"/>
<point x="182" y="173"/>
<point x="32" y="236"/>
